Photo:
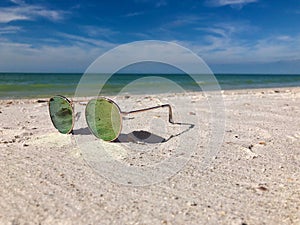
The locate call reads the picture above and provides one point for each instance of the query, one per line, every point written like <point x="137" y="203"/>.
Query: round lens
<point x="61" y="114"/>
<point x="104" y="119"/>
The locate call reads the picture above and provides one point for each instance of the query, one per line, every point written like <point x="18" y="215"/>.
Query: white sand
<point x="255" y="178"/>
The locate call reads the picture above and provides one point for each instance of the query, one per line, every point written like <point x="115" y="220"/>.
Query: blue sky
<point x="232" y="36"/>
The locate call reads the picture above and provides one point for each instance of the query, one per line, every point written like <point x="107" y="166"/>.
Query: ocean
<point x="31" y="85"/>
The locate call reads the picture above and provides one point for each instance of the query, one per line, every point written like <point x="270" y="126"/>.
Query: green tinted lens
<point x="61" y="114"/>
<point x="103" y="118"/>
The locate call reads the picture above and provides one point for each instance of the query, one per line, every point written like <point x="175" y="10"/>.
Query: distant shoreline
<point x="27" y="85"/>
<point x="218" y="74"/>
<point x="250" y="91"/>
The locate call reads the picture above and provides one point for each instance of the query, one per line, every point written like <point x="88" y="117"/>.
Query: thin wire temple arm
<point x="151" y="108"/>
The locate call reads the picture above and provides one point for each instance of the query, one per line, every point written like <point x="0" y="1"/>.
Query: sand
<point x="48" y="178"/>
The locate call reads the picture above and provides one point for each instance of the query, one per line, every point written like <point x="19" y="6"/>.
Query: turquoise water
<point x="24" y="85"/>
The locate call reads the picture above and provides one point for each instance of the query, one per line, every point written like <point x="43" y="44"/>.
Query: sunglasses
<point x="103" y="116"/>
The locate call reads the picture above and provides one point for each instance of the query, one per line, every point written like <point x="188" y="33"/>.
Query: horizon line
<point x="166" y="73"/>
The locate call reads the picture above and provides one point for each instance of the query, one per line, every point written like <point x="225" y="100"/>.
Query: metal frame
<point x="151" y="108"/>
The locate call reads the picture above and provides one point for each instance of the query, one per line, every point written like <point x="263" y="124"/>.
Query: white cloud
<point x="28" y="12"/>
<point x="96" y="31"/>
<point x="48" y="14"/>
<point x="75" y="55"/>
<point x="161" y="3"/>
<point x="226" y="49"/>
<point x="225" y="54"/>
<point x="8" y="16"/>
<point x="157" y="3"/>
<point x="145" y="51"/>
<point x="233" y="3"/>
<point x="213" y="30"/>
<point x="182" y="20"/>
<point x="18" y="2"/>
<point x="77" y="52"/>
<point x="132" y="14"/>
<point x="10" y="29"/>
<point x="18" y="57"/>
<point x="284" y="38"/>
<point x="229" y="44"/>
<point x="228" y="29"/>
<point x="80" y="40"/>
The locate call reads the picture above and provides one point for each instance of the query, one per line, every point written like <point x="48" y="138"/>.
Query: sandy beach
<point x="254" y="178"/>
